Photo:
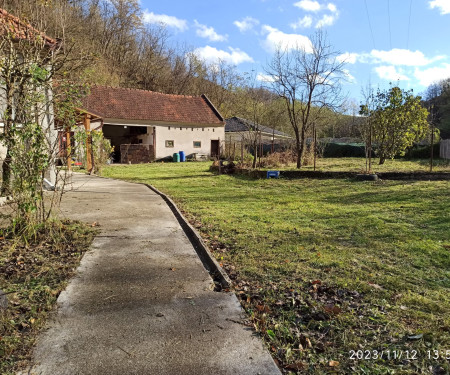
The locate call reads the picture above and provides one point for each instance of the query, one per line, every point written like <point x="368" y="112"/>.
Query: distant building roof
<point x="237" y="124"/>
<point x="21" y="30"/>
<point x="133" y="104"/>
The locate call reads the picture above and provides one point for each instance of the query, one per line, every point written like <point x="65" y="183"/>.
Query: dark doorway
<point x="214" y="148"/>
<point x="119" y="135"/>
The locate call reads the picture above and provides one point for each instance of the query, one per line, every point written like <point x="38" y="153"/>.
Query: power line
<point x="370" y="25"/>
<point x="389" y="20"/>
<point x="409" y="24"/>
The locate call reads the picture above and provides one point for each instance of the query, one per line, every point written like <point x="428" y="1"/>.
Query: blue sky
<point x="382" y="41"/>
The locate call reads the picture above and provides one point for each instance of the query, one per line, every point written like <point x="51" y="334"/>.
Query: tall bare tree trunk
<point x="6" y="167"/>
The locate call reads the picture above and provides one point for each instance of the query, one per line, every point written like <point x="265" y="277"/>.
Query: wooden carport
<point x="85" y="119"/>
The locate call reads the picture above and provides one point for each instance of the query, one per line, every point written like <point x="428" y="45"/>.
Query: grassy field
<point x="358" y="165"/>
<point x="328" y="270"/>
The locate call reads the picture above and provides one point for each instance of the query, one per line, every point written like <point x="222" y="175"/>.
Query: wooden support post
<point x="87" y="128"/>
<point x="432" y="147"/>
<point x="273" y="141"/>
<point x="370" y="149"/>
<point x="315" y="145"/>
<point x="260" y="150"/>
<point x="68" y="150"/>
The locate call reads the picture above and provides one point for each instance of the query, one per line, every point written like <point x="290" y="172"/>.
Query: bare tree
<point x="308" y="80"/>
<point x="367" y="109"/>
<point x="253" y="104"/>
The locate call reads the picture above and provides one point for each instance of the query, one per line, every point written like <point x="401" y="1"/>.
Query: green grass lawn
<point x="359" y="165"/>
<point x="324" y="267"/>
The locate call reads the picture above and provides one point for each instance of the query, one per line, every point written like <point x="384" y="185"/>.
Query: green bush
<point x="342" y="150"/>
<point x="422" y="152"/>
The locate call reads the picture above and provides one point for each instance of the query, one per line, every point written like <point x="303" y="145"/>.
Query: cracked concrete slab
<point x="142" y="302"/>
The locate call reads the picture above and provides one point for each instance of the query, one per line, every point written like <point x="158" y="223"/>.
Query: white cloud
<point x="248" y="23"/>
<point x="204" y="31"/>
<point x="315" y="6"/>
<point x="428" y="76"/>
<point x="443" y="5"/>
<point x="395" y="57"/>
<point x="326" y="20"/>
<point x="302" y="22"/>
<point x="265" y="78"/>
<point x="390" y="73"/>
<point x="276" y="38"/>
<point x="332" y="8"/>
<point x="347" y="57"/>
<point x="349" y="77"/>
<point x="308" y="5"/>
<point x="211" y="54"/>
<point x="398" y="56"/>
<point x="171" y="21"/>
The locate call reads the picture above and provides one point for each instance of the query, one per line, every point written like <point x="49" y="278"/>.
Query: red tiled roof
<point x="20" y="29"/>
<point x="133" y="104"/>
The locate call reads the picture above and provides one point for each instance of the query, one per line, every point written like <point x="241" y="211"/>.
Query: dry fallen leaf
<point x="333" y="363"/>
<point x="332" y="309"/>
<point x="296" y="366"/>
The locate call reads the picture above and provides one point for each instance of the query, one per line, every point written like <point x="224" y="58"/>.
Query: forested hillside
<point x="107" y="43"/>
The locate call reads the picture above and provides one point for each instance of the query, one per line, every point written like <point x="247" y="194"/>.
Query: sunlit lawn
<point x="324" y="267"/>
<point x="359" y="165"/>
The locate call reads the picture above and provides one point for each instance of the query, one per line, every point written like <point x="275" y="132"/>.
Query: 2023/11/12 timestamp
<point x="409" y="355"/>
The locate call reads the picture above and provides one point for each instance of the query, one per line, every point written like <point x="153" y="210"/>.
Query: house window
<point x="197" y="144"/>
<point x="169" y="143"/>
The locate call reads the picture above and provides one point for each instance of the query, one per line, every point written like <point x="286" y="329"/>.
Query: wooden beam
<point x="87" y="128"/>
<point x="68" y="149"/>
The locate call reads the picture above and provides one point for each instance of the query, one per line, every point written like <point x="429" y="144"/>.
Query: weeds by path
<point x="33" y="272"/>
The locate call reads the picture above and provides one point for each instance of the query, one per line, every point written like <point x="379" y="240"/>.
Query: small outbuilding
<point x="444" y="149"/>
<point x="240" y="132"/>
<point x="144" y="126"/>
<point x="238" y="129"/>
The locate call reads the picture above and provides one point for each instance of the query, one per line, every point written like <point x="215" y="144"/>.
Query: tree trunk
<point x="6" y="167"/>
<point x="382" y="160"/>
<point x="301" y="150"/>
<point x="6" y="174"/>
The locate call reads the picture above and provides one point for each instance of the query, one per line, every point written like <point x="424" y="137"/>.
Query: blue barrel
<point x="182" y="156"/>
<point x="176" y="157"/>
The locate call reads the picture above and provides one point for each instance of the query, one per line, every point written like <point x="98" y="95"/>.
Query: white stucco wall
<point x="184" y="138"/>
<point x="46" y="120"/>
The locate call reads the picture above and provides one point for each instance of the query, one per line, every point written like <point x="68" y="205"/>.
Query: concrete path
<point x="142" y="303"/>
